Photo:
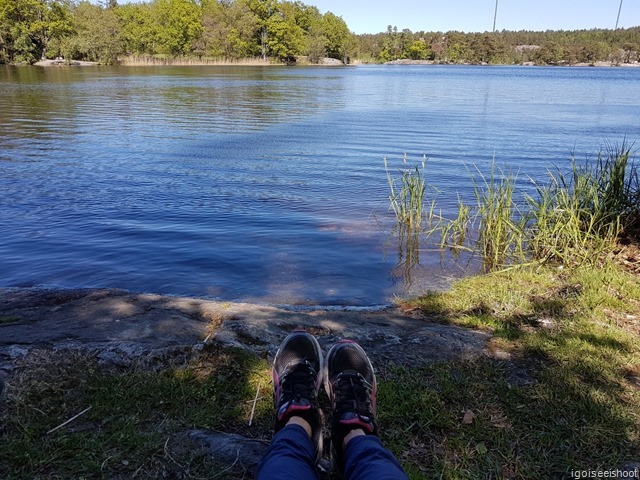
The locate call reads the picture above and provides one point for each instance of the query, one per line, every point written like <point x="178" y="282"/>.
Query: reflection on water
<point x="408" y="253"/>
<point x="267" y="184"/>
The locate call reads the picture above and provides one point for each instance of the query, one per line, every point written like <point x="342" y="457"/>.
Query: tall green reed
<point x="578" y="216"/>
<point x="575" y="218"/>
<point x="500" y="222"/>
<point x="617" y="179"/>
<point x="407" y="199"/>
<point x="493" y="226"/>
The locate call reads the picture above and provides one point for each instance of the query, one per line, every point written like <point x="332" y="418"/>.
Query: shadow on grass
<point x="563" y="400"/>
<point x="468" y="419"/>
<point x="138" y="418"/>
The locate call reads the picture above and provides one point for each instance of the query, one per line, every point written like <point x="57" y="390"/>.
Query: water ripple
<point x="267" y="184"/>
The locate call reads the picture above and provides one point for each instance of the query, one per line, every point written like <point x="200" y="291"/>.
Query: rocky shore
<point x="120" y="327"/>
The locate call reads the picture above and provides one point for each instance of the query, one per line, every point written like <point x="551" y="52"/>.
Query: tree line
<point x="506" y="47"/>
<point x="231" y="29"/>
<point x="272" y="29"/>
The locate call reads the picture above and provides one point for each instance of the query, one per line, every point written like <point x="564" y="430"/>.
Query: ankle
<point x="295" y="420"/>
<point x="358" y="432"/>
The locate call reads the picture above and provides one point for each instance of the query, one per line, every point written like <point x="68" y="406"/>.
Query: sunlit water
<point x="268" y="184"/>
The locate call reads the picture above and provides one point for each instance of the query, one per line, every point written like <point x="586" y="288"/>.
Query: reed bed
<point x="575" y="218"/>
<point x="169" y="60"/>
<point x="407" y="199"/>
<point x="579" y="216"/>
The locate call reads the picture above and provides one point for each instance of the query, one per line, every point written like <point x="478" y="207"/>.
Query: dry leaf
<point x="468" y="418"/>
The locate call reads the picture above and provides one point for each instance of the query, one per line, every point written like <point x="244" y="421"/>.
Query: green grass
<point x="565" y="399"/>
<point x="136" y="420"/>
<point x="500" y="230"/>
<point x="558" y="392"/>
<point x="578" y="217"/>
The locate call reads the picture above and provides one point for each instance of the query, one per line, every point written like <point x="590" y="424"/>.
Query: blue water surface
<point x="267" y="184"/>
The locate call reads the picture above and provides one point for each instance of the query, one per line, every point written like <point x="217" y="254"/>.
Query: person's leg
<point x="297" y="445"/>
<point x="365" y="457"/>
<point x="356" y="450"/>
<point x="291" y="455"/>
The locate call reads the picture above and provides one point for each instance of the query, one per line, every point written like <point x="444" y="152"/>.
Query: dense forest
<point x="505" y="47"/>
<point x="272" y="29"/>
<point x="231" y="29"/>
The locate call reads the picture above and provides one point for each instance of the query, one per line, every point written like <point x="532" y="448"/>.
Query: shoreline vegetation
<point x="576" y="218"/>
<point x="275" y="31"/>
<point x="150" y="61"/>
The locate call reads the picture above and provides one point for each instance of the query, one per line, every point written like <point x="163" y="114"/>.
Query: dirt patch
<point x="628" y="256"/>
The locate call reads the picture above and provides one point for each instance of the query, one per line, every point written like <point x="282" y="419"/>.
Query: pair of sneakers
<point x="298" y="374"/>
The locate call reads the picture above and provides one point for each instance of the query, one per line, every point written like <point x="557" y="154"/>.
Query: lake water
<point x="268" y="184"/>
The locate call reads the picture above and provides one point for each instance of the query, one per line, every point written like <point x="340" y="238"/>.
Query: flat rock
<point x="122" y="325"/>
<point x="229" y="449"/>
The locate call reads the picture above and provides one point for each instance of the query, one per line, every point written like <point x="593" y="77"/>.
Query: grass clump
<point x="499" y="221"/>
<point x="407" y="200"/>
<point x="575" y="218"/>
<point x="560" y="390"/>
<point x="579" y="216"/>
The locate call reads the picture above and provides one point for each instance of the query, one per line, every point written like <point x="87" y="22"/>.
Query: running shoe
<point x="351" y="387"/>
<point x="297" y="377"/>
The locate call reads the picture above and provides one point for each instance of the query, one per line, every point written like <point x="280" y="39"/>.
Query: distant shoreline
<point x="64" y="63"/>
<point x="150" y="61"/>
<point x="253" y="62"/>
<point x="526" y="64"/>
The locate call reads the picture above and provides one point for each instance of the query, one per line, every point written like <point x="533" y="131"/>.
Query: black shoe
<point x="351" y="386"/>
<point x="297" y="377"/>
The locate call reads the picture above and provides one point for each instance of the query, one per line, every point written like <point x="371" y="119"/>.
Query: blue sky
<point x="373" y="16"/>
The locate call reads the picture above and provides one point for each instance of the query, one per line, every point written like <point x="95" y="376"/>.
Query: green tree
<point x="487" y="48"/>
<point x="97" y="37"/>
<point x="310" y="20"/>
<point x="340" y="42"/>
<point x="27" y="27"/>
<point x="370" y="46"/>
<point x="138" y="29"/>
<point x="390" y="50"/>
<point x="229" y="29"/>
<point x="316" y="48"/>
<point x="457" y="47"/>
<point x="57" y="25"/>
<point x="263" y="10"/>
<point x="285" y="37"/>
<point x="551" y="53"/>
<point x="405" y="40"/>
<point x="630" y="50"/>
<point x="418" y="50"/>
<point x="177" y="26"/>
